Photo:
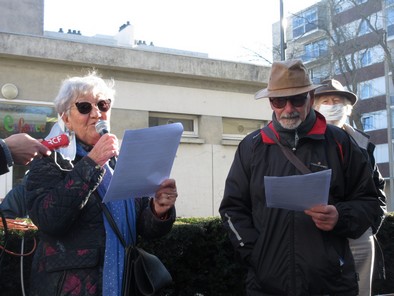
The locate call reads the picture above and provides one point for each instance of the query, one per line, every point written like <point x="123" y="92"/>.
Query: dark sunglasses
<point x="86" y="107"/>
<point x="296" y="101"/>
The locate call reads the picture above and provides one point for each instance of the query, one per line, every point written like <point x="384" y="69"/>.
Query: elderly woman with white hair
<point x="78" y="253"/>
<point x="336" y="104"/>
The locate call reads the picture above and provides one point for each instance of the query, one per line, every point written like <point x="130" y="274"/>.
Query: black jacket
<point x="3" y="162"/>
<point x="14" y="203"/>
<point x="284" y="250"/>
<point x="61" y="202"/>
<point x="362" y="140"/>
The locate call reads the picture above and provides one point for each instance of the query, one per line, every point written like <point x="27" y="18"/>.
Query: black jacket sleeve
<point x="357" y="204"/>
<point x="236" y="208"/>
<point x="14" y="203"/>
<point x="379" y="184"/>
<point x="3" y="162"/>
<point x="148" y="225"/>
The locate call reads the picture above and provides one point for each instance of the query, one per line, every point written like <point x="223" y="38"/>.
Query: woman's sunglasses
<point x="86" y="107"/>
<point x="296" y="101"/>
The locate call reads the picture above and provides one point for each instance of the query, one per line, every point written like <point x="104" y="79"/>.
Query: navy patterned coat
<point x="61" y="201"/>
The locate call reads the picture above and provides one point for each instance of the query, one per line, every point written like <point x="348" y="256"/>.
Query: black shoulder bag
<point x="144" y="274"/>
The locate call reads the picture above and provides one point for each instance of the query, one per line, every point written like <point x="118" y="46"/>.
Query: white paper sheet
<point x="145" y="160"/>
<point x="299" y="192"/>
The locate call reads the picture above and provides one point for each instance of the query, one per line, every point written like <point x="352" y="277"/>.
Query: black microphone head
<point x="102" y="127"/>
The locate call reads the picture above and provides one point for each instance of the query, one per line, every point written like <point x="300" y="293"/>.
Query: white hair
<point x="75" y="87"/>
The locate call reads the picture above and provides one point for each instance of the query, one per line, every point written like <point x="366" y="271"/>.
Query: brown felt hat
<point x="334" y="87"/>
<point x="287" y="78"/>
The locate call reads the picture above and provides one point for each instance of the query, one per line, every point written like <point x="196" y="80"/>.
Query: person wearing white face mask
<point x="336" y="104"/>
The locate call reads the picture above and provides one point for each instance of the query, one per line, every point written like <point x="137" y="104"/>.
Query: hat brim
<point x="286" y="92"/>
<point x="348" y="95"/>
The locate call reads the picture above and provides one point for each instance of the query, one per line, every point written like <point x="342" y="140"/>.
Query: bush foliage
<point x="201" y="260"/>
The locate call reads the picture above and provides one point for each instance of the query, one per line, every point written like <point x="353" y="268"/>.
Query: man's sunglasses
<point x="296" y="101"/>
<point x="86" y="107"/>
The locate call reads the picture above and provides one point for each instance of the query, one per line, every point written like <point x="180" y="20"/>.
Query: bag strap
<point x="287" y="152"/>
<point x="111" y="221"/>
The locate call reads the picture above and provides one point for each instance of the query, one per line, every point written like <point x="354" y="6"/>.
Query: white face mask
<point x="333" y="112"/>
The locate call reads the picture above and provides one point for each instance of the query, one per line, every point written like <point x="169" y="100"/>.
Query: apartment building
<point x="351" y="41"/>
<point x="213" y="99"/>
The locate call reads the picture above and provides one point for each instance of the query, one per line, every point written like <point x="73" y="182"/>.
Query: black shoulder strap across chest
<point x="287" y="152"/>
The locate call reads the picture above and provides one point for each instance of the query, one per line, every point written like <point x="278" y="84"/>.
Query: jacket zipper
<point x="296" y="138"/>
<point x="61" y="283"/>
<point x="292" y="256"/>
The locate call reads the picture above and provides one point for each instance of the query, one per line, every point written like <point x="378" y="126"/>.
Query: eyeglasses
<point x="296" y="101"/>
<point x="86" y="107"/>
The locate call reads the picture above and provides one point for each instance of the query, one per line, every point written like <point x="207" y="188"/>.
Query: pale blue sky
<point x="225" y="29"/>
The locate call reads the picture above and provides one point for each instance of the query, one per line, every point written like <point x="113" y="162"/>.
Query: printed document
<point x="145" y="160"/>
<point x="298" y="192"/>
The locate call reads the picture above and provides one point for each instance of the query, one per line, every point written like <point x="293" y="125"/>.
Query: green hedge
<point x="202" y="262"/>
<point x="10" y="268"/>
<point x="200" y="259"/>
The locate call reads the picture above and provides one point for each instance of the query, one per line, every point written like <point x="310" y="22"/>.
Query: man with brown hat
<point x="292" y="252"/>
<point x="336" y="104"/>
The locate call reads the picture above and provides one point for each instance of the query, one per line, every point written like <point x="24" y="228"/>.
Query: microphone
<point x="102" y="127"/>
<point x="57" y="142"/>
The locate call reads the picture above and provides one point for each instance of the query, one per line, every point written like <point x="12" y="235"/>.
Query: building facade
<point x="351" y="41"/>
<point x="213" y="99"/>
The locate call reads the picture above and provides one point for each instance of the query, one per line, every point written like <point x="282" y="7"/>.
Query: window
<point x="365" y="90"/>
<point x="236" y="129"/>
<point x="381" y="153"/>
<point x="345" y="62"/>
<point x="337" y="67"/>
<point x="390" y="21"/>
<point x="338" y="36"/>
<point x="358" y="28"/>
<point x="304" y="22"/>
<point x="374" y="120"/>
<point x="364" y="28"/>
<point x="318" y="74"/>
<point x="362" y="58"/>
<point x="343" y="5"/>
<point x="366" y="58"/>
<point x="35" y="119"/>
<point x="372" y="88"/>
<point x="315" y="50"/>
<point x="189" y="122"/>
<point x="392" y="121"/>
<point x="367" y="123"/>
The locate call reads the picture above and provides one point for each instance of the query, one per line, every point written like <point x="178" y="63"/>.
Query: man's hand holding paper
<point x="324" y="216"/>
